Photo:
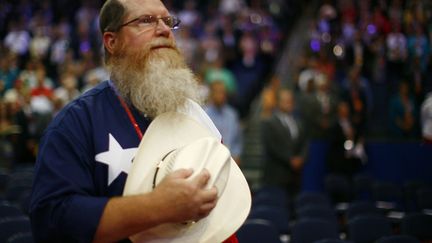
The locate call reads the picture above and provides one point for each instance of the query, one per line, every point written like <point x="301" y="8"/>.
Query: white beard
<point x="155" y="81"/>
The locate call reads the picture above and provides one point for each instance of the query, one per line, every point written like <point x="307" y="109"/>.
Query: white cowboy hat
<point x="175" y="140"/>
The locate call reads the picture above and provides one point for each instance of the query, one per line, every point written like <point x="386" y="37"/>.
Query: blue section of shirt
<point x="70" y="187"/>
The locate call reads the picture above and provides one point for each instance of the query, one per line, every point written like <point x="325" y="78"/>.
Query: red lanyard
<point x="131" y="117"/>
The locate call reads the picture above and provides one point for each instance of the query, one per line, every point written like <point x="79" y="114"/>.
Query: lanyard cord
<point x="128" y="111"/>
<point x="131" y="117"/>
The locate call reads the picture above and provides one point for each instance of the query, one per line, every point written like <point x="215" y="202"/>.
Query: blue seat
<point x="7" y="211"/>
<point x="270" y="196"/>
<point x="15" y="192"/>
<point x="363" y="186"/>
<point x="4" y="178"/>
<point x="23" y="168"/>
<point x="278" y="216"/>
<point x="311" y="198"/>
<point x="12" y="226"/>
<point x="310" y="230"/>
<point x="24" y="202"/>
<point x="362" y="208"/>
<point x="368" y="228"/>
<point x="320" y="212"/>
<point x="410" y="189"/>
<point x="258" y="231"/>
<point x="418" y="225"/>
<point x="398" y="239"/>
<point x="21" y="238"/>
<point x="333" y="241"/>
<point x="275" y="190"/>
<point x="21" y="177"/>
<point x="424" y="198"/>
<point x="338" y="188"/>
<point x="389" y="193"/>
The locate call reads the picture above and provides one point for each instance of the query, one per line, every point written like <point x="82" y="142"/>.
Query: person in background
<point x="225" y="118"/>
<point x="403" y="114"/>
<point x="426" y="118"/>
<point x="346" y="152"/>
<point x="218" y="72"/>
<point x="41" y="103"/>
<point x="68" y="90"/>
<point x="319" y="108"/>
<point x="285" y="145"/>
<point x="17" y="99"/>
<point x="358" y="95"/>
<point x="268" y="97"/>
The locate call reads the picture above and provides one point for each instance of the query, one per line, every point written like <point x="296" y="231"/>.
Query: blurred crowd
<point x="373" y="56"/>
<point x="366" y="73"/>
<point x="51" y="52"/>
<point x="366" y="69"/>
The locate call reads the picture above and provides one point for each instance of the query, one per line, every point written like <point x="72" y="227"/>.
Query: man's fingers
<point x="202" y="178"/>
<point x="182" y="173"/>
<point x="209" y="195"/>
<point x="206" y="208"/>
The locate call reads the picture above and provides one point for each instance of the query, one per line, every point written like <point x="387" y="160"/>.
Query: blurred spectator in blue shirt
<point x="418" y="46"/>
<point x="8" y="70"/>
<point x="403" y="113"/>
<point x="225" y="118"/>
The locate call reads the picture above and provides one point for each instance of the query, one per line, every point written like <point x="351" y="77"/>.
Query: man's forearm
<point x="125" y="216"/>
<point x="175" y="199"/>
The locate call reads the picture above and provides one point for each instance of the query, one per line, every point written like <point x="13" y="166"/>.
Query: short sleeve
<point x="64" y="204"/>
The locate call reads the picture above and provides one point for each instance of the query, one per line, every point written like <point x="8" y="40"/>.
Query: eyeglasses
<point x="146" y="21"/>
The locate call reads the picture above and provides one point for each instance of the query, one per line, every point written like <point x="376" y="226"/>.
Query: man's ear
<point x="109" y="40"/>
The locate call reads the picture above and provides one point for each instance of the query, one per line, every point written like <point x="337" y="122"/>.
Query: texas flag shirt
<point x="84" y="158"/>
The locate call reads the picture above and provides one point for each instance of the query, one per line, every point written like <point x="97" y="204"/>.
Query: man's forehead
<point x="135" y="7"/>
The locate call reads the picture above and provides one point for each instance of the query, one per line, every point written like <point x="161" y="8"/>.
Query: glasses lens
<point x="172" y="22"/>
<point x="149" y="19"/>
<point x="168" y="21"/>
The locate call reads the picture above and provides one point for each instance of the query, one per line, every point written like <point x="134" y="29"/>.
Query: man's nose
<point x="162" y="29"/>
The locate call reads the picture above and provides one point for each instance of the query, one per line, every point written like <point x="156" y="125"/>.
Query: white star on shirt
<point x="118" y="159"/>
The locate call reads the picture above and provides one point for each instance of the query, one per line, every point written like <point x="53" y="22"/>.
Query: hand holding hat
<point x="175" y="141"/>
<point x="193" y="200"/>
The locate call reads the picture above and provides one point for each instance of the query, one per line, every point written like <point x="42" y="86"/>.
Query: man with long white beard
<point x="88" y="148"/>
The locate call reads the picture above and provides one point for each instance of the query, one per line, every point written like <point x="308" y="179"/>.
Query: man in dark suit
<point x="284" y="144"/>
<point x="346" y="150"/>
